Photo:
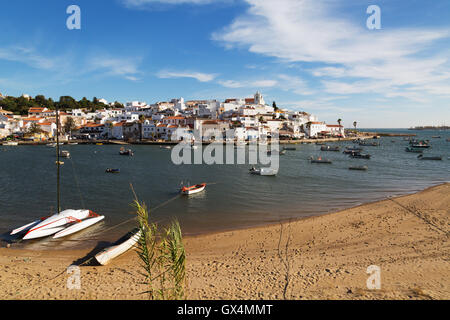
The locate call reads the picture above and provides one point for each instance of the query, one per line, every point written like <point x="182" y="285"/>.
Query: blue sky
<point x="312" y="55"/>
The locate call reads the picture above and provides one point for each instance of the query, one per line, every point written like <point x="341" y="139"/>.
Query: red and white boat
<point x="59" y="222"/>
<point x="193" y="189"/>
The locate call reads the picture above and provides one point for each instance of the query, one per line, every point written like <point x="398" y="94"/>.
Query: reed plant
<point x="163" y="257"/>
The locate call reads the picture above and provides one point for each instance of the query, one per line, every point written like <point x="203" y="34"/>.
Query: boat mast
<point x="58" y="208"/>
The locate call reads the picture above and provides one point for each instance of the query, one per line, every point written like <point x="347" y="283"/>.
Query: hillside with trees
<point x="20" y="105"/>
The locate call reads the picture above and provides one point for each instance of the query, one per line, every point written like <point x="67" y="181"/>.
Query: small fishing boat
<point x="421" y="145"/>
<point x="350" y="150"/>
<point x="99" y="144"/>
<point x="282" y="152"/>
<point x="369" y="144"/>
<point x="414" y="150"/>
<point x="360" y="168"/>
<point x="110" y="170"/>
<point x="120" y="247"/>
<point x="165" y="147"/>
<point x="290" y="148"/>
<point x="358" y="155"/>
<point x="64" y="154"/>
<point x="320" y="160"/>
<point x="10" y="143"/>
<point x="263" y="171"/>
<point x="320" y="143"/>
<point x="53" y="145"/>
<point x="329" y="148"/>
<point x="436" y="137"/>
<point x="193" y="189"/>
<point x="59" y="162"/>
<point x="72" y="143"/>
<point x="422" y="157"/>
<point x="347" y="151"/>
<point x="78" y="226"/>
<point x="127" y="152"/>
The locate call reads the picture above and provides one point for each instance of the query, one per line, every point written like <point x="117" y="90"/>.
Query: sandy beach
<point x="324" y="257"/>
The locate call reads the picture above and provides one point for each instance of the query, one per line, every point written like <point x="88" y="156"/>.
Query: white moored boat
<point x="264" y="171"/>
<point x="78" y="227"/>
<point x="11" y="143"/>
<point x="122" y="245"/>
<point x="54" y="222"/>
<point x="193" y="189"/>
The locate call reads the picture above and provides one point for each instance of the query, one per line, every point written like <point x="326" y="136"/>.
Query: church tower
<point x="259" y="98"/>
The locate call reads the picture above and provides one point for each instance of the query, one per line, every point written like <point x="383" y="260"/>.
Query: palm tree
<point x="354" y="124"/>
<point x="339" y="121"/>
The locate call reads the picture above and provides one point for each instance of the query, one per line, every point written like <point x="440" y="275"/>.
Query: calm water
<point x="233" y="199"/>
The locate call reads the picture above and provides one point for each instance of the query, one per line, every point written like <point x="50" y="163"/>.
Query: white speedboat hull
<point x="40" y="233"/>
<point x="78" y="227"/>
<point x="106" y="255"/>
<point x="25" y="227"/>
<point x="55" y="221"/>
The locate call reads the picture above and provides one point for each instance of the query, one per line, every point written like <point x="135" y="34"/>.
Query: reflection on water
<point x="233" y="198"/>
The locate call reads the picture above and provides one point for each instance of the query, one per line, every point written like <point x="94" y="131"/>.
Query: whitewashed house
<point x="313" y="129"/>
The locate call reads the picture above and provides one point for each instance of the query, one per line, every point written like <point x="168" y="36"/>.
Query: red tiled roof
<point x="92" y="125"/>
<point x="36" y="109"/>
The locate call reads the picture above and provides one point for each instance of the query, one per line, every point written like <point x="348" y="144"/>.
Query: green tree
<point x="34" y="128"/>
<point x="69" y="125"/>
<point x="274" y="105"/>
<point x="67" y="103"/>
<point x="41" y="100"/>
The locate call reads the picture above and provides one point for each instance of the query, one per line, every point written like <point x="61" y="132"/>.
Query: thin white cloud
<point x="202" y="77"/>
<point x="28" y="56"/>
<point x="282" y="81"/>
<point x="65" y="68"/>
<point x="127" y="68"/>
<point x="312" y="31"/>
<point x="248" y="83"/>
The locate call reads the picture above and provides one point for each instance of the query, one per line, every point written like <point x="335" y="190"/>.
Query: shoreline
<point x="248" y="227"/>
<point x="362" y="135"/>
<point x="330" y="253"/>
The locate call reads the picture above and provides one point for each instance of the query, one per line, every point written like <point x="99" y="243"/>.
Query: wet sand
<point x="326" y="258"/>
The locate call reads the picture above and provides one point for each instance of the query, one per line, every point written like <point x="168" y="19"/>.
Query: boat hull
<point x="40" y="233"/>
<point x="25" y="227"/>
<point x="108" y="254"/>
<point x="78" y="227"/>
<point x="56" y="221"/>
<point x="193" y="191"/>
